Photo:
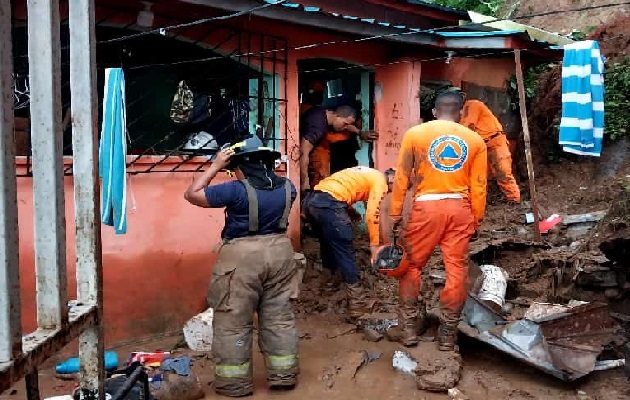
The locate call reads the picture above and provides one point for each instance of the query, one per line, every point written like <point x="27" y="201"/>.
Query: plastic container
<point x="72" y="365"/>
<point x="494" y="286"/>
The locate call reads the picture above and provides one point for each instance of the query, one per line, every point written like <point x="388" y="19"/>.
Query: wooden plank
<point x="526" y="138"/>
<point x="48" y="187"/>
<point x="10" y="324"/>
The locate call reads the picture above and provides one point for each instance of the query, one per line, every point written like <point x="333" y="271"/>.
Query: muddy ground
<point x="331" y="351"/>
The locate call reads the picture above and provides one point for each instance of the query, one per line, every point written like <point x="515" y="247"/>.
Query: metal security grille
<point x="58" y="320"/>
<point x="230" y="67"/>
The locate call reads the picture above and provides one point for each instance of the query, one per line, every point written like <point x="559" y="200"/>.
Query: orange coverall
<point x="478" y="117"/>
<point x="319" y="162"/>
<point x="449" y="166"/>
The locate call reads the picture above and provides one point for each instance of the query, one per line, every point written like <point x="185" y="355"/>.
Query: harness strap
<point x="252" y="199"/>
<point x="284" y="220"/>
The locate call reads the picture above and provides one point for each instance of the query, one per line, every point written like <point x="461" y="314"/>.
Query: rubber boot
<point x="411" y="317"/>
<point x="447" y="337"/>
<point x="356" y="303"/>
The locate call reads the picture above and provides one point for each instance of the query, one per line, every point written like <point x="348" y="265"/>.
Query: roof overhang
<point x="437" y="39"/>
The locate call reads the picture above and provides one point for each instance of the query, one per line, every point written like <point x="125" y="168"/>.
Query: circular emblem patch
<point x="448" y="153"/>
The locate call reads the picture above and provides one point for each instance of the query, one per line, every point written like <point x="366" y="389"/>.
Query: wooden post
<point x="528" y="149"/>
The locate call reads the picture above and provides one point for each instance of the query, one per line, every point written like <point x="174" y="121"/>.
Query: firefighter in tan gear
<point x="448" y="164"/>
<point x="254" y="269"/>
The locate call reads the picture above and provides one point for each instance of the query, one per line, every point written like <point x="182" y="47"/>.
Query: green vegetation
<point x="617" y="99"/>
<point x="617" y="95"/>
<point x="486" y="7"/>
<point x="530" y="81"/>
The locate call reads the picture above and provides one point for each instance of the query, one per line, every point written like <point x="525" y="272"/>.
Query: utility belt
<point x="493" y="136"/>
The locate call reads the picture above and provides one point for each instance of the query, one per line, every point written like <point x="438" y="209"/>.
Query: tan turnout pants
<point x="253" y="274"/>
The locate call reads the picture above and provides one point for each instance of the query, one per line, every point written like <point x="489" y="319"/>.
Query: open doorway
<point x="326" y="82"/>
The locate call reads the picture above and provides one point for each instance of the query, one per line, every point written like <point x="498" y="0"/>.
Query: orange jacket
<point x="359" y="184"/>
<point x="444" y="158"/>
<point x="477" y="117"/>
<point x="333" y="137"/>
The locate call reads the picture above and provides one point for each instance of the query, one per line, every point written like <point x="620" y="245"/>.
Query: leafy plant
<point x="530" y="83"/>
<point x="617" y="99"/>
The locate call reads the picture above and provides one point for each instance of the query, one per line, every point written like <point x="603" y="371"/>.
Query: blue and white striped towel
<point x="113" y="150"/>
<point x="582" y="123"/>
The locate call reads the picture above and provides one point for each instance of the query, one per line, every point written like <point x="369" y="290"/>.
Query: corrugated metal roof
<point x="476" y="34"/>
<point x="436" y="33"/>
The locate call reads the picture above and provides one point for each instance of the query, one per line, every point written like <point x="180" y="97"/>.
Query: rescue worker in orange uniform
<point x="445" y="165"/>
<point x="326" y="209"/>
<point x="254" y="269"/>
<point x="336" y="151"/>
<point x="314" y="126"/>
<point x="477" y="117"/>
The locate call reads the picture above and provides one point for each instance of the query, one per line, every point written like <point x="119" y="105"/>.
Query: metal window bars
<point x="234" y="64"/>
<point x="59" y="321"/>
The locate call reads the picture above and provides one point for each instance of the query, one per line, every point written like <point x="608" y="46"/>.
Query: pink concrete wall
<point x="156" y="275"/>
<point x="397" y="105"/>
<point x="482" y="72"/>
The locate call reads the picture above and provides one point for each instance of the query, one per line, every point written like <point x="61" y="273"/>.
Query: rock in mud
<point x="379" y="322"/>
<point x="371" y="335"/>
<point x="436" y="371"/>
<point x="456" y="394"/>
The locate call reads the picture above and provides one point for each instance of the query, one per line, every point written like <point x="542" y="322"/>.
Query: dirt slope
<point x="563" y="22"/>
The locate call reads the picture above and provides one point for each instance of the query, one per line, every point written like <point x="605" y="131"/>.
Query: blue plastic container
<point x="71" y="365"/>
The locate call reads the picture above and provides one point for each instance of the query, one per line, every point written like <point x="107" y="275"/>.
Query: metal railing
<point x="58" y="320"/>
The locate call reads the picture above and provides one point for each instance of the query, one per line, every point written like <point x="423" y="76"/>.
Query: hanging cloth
<point x="582" y="123"/>
<point x="113" y="151"/>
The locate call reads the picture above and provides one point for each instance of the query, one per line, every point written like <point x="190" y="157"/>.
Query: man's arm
<point x="368" y="136"/>
<point x="306" y="148"/>
<point x="479" y="183"/>
<point x="404" y="168"/>
<point x="196" y="192"/>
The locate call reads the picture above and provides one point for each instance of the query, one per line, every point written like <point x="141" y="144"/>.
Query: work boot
<point x="447" y="336"/>
<point x="356" y="303"/>
<point x="411" y="318"/>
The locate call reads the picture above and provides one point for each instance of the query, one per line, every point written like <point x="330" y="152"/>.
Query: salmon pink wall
<point x="481" y="72"/>
<point x="397" y="102"/>
<point x="156" y="276"/>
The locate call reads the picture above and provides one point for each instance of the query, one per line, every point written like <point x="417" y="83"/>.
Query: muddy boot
<point x="447" y="336"/>
<point x="356" y="303"/>
<point x="333" y="282"/>
<point x="411" y="317"/>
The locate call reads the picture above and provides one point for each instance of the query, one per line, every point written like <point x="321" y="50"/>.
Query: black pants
<point x="333" y="227"/>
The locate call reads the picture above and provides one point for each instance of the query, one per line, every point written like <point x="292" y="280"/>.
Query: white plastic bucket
<point x="494" y="284"/>
<point x="198" y="331"/>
